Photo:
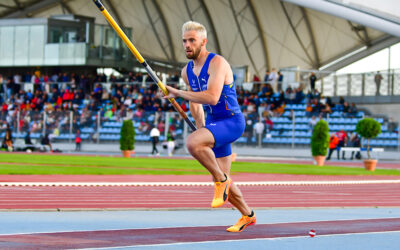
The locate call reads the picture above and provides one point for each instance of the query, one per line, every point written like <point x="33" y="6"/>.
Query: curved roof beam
<point x="297" y="34"/>
<point x="161" y="17"/>
<point x="206" y="12"/>
<point x="261" y="33"/>
<point x="65" y="7"/>
<point x="360" y="28"/>
<point x="34" y="6"/>
<point x="18" y="4"/>
<point x="246" y="47"/>
<point x="312" y="38"/>
<point x="8" y="6"/>
<point x="213" y="30"/>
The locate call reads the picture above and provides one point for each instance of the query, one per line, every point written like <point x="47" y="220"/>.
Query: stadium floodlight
<point x="141" y="60"/>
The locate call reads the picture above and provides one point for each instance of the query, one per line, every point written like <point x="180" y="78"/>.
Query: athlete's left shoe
<point x="242" y="223"/>
<point x="221" y="192"/>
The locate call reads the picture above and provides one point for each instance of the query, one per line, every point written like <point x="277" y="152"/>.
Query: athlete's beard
<point x="196" y="53"/>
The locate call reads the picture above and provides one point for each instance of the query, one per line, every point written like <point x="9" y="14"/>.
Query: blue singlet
<point x="225" y="119"/>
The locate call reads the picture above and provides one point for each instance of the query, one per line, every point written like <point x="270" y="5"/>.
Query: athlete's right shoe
<point x="242" y="223"/>
<point x="221" y="192"/>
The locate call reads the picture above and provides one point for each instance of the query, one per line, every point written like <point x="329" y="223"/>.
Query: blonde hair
<point x="191" y="25"/>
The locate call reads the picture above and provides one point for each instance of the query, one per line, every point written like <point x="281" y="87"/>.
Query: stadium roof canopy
<point x="261" y="34"/>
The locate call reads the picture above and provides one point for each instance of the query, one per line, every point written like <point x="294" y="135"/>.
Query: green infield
<point x="30" y="164"/>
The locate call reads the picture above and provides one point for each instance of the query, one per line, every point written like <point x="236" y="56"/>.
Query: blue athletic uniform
<point x="225" y="119"/>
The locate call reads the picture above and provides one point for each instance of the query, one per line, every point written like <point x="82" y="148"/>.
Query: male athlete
<point x="210" y="84"/>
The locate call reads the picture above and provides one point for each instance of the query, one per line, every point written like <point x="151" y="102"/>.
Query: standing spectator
<point x="272" y="78"/>
<point x="46" y="142"/>
<point x="333" y="143"/>
<point x="249" y="131"/>
<point x="355" y="142"/>
<point x="280" y="81"/>
<point x="28" y="142"/>
<point x="378" y="79"/>
<point x="154" y="135"/>
<point x="259" y="129"/>
<point x="266" y="77"/>
<point x="78" y="140"/>
<point x="313" y="79"/>
<point x="342" y="137"/>
<point x="8" y="141"/>
<point x="170" y="142"/>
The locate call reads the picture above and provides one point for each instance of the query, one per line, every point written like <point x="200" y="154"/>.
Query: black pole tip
<point x="99" y="4"/>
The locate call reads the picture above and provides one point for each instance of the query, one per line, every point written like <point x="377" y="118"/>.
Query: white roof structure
<point x="261" y="34"/>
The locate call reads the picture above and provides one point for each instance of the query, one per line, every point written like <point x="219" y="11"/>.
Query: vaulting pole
<point x="141" y="60"/>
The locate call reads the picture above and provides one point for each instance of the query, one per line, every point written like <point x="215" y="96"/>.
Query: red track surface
<point x="186" y="178"/>
<point x="131" y="197"/>
<point x="135" y="237"/>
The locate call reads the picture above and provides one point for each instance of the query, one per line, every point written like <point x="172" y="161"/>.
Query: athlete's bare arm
<point x="218" y="71"/>
<point x="196" y="109"/>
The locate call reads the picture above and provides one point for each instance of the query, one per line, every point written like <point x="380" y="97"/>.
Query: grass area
<point x="98" y="165"/>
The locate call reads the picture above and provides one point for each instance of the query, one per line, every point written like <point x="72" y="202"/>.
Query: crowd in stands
<point x="135" y="95"/>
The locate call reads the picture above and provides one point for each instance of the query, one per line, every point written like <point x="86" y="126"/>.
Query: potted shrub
<point x="368" y="128"/>
<point x="127" y="138"/>
<point x="320" y="142"/>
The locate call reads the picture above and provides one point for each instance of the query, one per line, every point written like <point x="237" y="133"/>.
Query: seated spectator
<point x="326" y="109"/>
<point x="392" y="125"/>
<point x="313" y="121"/>
<point x="299" y="96"/>
<point x="354" y="142"/>
<point x="309" y="110"/>
<point x="346" y="109"/>
<point x="280" y="110"/>
<point x="353" y="110"/>
<point x="269" y="124"/>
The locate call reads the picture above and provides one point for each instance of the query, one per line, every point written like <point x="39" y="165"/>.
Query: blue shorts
<point x="225" y="131"/>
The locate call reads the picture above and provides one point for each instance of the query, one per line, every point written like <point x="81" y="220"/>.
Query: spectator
<point x="392" y="125"/>
<point x="355" y="142"/>
<point x="272" y="78"/>
<point x="280" y="81"/>
<point x="342" y="137"/>
<point x="28" y="143"/>
<point x="313" y="121"/>
<point x="46" y="142"/>
<point x="170" y="143"/>
<point x="78" y="140"/>
<point x="353" y="110"/>
<point x="8" y="140"/>
<point x="248" y="131"/>
<point x="154" y="135"/>
<point x="378" y="79"/>
<point x="266" y="77"/>
<point x="312" y="79"/>
<point x="259" y="129"/>
<point x="333" y="144"/>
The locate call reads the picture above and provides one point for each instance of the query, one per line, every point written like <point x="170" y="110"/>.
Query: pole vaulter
<point x="141" y="60"/>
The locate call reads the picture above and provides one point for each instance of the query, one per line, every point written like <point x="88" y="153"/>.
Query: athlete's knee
<point x="194" y="147"/>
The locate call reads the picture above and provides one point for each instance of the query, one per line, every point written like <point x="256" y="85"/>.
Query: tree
<point x="127" y="139"/>
<point x="368" y="128"/>
<point x="320" y="139"/>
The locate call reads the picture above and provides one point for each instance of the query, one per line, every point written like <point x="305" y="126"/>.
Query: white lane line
<point x="242" y="183"/>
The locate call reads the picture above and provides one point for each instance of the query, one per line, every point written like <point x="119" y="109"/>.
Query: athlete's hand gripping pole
<point x="141" y="60"/>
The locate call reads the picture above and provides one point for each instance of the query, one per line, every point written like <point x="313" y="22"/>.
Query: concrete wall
<point x="391" y="110"/>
